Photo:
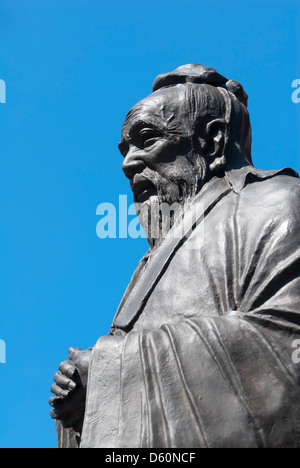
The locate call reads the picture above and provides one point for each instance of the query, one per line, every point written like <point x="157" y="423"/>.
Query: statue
<point x="200" y="351"/>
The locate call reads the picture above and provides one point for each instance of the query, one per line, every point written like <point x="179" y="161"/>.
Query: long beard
<point x="161" y="211"/>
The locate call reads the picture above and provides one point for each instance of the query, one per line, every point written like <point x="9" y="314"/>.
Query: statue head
<point x="194" y="126"/>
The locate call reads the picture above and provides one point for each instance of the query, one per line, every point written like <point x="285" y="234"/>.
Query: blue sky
<point x="72" y="70"/>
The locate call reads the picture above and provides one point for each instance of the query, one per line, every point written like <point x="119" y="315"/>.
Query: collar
<point x="238" y="178"/>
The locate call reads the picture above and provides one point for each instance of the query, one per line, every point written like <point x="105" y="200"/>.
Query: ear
<point x="215" y="143"/>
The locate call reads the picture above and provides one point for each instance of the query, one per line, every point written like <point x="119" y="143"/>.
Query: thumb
<point x="73" y="352"/>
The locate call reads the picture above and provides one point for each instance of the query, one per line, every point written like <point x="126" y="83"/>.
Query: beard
<point x="170" y="195"/>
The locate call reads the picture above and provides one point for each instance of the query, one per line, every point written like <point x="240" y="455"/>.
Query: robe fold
<point x="200" y="353"/>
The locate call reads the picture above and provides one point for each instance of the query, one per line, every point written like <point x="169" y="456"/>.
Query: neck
<point x="235" y="159"/>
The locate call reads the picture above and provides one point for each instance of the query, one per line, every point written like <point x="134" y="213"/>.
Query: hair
<point x="211" y="95"/>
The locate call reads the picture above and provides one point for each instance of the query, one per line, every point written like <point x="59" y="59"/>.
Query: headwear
<point x="235" y="97"/>
<point x="196" y="73"/>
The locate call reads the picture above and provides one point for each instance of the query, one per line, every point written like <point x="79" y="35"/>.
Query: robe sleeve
<point x="66" y="438"/>
<point x="227" y="381"/>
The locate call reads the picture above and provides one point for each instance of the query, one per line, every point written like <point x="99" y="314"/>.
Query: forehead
<point x="165" y="109"/>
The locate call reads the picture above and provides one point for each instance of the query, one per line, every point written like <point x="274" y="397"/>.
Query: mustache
<point x="147" y="175"/>
<point x="182" y="183"/>
<point x="144" y="184"/>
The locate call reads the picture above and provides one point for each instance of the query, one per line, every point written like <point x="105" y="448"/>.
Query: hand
<point x="70" y="389"/>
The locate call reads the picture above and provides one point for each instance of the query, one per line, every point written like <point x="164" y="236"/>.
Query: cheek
<point x="162" y="155"/>
<point x="179" y="170"/>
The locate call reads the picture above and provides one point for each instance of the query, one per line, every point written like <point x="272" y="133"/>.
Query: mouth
<point x="142" y="188"/>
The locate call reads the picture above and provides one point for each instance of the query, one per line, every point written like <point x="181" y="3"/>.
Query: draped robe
<point x="200" y="351"/>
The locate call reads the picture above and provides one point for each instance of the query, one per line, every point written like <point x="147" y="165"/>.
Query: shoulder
<point x="274" y="194"/>
<point x="280" y="186"/>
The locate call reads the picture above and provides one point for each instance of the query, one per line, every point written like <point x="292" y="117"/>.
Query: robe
<point x="200" y="353"/>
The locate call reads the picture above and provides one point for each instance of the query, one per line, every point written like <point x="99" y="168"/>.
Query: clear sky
<point x="73" y="68"/>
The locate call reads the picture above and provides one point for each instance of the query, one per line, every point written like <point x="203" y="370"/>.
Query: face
<point x="158" y="151"/>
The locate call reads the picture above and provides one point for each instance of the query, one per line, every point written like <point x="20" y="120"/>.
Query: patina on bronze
<point x="200" y="350"/>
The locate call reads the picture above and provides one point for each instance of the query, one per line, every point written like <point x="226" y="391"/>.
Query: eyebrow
<point x="139" y="124"/>
<point x="123" y="147"/>
<point x="134" y="128"/>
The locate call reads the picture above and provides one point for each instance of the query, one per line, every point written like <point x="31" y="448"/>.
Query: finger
<point x="52" y="401"/>
<point x="64" y="382"/>
<point x="57" y="402"/>
<point x="67" y="368"/>
<point x="73" y="352"/>
<point x="58" y="391"/>
<point x="63" y="417"/>
<point x="56" y="414"/>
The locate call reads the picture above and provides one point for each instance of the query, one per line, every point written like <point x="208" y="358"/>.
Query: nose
<point x="132" y="165"/>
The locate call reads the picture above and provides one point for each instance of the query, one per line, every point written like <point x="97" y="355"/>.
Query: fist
<point x="69" y="389"/>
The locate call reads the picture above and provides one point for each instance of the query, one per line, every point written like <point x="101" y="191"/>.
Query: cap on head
<point x="196" y="73"/>
<point x="234" y="97"/>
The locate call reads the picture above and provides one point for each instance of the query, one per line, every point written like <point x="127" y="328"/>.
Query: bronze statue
<point x="200" y="350"/>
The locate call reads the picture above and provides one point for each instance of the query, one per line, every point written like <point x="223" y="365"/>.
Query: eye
<point x="148" y="136"/>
